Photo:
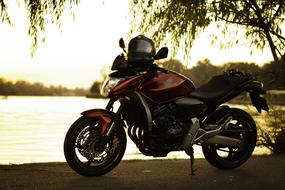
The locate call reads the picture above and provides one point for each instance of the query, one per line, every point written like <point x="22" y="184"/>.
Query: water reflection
<point x="32" y="129"/>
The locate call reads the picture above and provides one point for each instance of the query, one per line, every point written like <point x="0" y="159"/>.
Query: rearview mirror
<point x="162" y="53"/>
<point x="122" y="43"/>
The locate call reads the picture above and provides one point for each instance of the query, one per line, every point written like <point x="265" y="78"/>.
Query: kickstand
<point x="190" y="152"/>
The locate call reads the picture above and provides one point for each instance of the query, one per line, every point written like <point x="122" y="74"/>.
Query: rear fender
<point x="255" y="89"/>
<point x="105" y="116"/>
<point x="259" y="102"/>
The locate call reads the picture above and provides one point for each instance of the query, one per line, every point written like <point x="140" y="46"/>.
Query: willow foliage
<point x="179" y="22"/>
<point x="41" y="13"/>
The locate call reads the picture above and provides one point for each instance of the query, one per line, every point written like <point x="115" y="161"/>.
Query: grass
<point x="272" y="131"/>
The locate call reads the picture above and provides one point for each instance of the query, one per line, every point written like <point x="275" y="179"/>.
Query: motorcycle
<point x="162" y="111"/>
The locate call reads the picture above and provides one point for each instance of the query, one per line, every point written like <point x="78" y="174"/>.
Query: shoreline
<point x="128" y="158"/>
<point x="162" y="159"/>
<point x="258" y="172"/>
<point x="175" y="155"/>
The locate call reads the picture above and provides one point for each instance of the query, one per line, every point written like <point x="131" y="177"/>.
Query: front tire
<point x="228" y="157"/>
<point x="84" y="151"/>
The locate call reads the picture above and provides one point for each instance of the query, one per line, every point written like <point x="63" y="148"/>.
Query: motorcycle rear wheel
<point x="228" y="157"/>
<point x="83" y="150"/>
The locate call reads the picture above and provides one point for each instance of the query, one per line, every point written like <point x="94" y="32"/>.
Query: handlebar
<point x="155" y="68"/>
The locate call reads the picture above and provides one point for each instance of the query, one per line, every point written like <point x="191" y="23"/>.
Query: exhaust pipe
<point x="224" y="141"/>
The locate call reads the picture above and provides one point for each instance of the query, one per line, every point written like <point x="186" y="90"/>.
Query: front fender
<point x="105" y="116"/>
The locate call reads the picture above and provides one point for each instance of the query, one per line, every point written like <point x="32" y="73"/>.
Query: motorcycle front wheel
<point x="84" y="151"/>
<point x="241" y="127"/>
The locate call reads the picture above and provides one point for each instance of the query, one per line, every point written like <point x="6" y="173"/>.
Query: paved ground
<point x="264" y="172"/>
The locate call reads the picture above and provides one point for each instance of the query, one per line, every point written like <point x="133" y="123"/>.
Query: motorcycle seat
<point x="218" y="87"/>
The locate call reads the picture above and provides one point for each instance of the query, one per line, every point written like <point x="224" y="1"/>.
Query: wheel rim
<point x="239" y="129"/>
<point x="88" y="150"/>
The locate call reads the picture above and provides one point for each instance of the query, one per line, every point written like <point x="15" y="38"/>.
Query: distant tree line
<point x="94" y="91"/>
<point x="272" y="75"/>
<point x="24" y="88"/>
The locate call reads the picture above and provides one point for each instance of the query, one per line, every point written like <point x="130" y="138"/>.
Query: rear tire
<point x="234" y="157"/>
<point x="83" y="151"/>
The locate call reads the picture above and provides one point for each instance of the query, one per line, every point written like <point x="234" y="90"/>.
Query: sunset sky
<point x="75" y="56"/>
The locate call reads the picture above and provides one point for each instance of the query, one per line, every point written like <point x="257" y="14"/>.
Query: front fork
<point x="116" y="119"/>
<point x="110" y="104"/>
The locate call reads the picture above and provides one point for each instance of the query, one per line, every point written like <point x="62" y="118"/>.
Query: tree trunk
<point x="266" y="29"/>
<point x="272" y="46"/>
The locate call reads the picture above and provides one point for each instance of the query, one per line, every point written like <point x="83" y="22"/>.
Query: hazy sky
<point x="75" y="56"/>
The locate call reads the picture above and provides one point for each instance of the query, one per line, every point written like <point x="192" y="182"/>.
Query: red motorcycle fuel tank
<point x="164" y="87"/>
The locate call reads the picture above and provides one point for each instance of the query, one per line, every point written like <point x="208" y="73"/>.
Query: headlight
<point x="109" y="84"/>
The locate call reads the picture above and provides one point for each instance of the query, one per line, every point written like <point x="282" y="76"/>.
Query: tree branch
<point x="236" y="22"/>
<point x="266" y="29"/>
<point x="276" y="34"/>
<point x="276" y="12"/>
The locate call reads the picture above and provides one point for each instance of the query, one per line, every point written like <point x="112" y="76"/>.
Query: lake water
<point x="32" y="129"/>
